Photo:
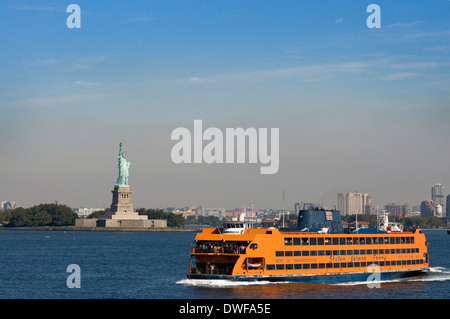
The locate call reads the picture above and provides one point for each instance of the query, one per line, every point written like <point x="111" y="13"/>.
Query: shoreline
<point x="118" y="229"/>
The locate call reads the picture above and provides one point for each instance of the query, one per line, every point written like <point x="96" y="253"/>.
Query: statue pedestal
<point x="121" y="208"/>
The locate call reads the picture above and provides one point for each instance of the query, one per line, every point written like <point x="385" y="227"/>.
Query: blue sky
<point x="358" y="108"/>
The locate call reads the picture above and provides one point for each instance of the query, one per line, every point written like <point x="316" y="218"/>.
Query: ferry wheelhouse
<point x="318" y="250"/>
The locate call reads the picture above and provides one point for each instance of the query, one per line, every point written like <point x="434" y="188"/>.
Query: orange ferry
<point x="318" y="250"/>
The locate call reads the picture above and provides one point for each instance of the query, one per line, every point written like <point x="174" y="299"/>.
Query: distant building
<point x="218" y="212"/>
<point x="354" y="203"/>
<point x="85" y="212"/>
<point x="428" y="208"/>
<point x="398" y="210"/>
<point x="7" y="205"/>
<point x="447" y="205"/>
<point x="437" y="195"/>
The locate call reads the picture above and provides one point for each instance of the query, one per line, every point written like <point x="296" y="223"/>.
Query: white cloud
<point x="399" y="76"/>
<point x="33" y="8"/>
<point x="340" y="20"/>
<point x="429" y="34"/>
<point x="84" y="83"/>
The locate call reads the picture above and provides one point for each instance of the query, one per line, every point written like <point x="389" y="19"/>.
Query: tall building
<point x="437" y="195"/>
<point x="447" y="204"/>
<point x="354" y="203"/>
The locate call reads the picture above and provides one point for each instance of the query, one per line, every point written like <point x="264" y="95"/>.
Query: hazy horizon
<point x="357" y="109"/>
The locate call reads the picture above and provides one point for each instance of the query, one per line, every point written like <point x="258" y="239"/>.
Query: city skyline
<point x="357" y="108"/>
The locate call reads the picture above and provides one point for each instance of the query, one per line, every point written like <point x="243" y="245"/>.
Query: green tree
<point x="42" y="218"/>
<point x="42" y="215"/>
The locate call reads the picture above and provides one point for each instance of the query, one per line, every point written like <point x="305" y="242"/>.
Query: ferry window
<point x="297" y="253"/>
<point x="321" y="266"/>
<point x="412" y="240"/>
<point x="288" y="253"/>
<point x="321" y="253"/>
<point x="348" y="240"/>
<point x="288" y="241"/>
<point x="349" y="252"/>
<point x="356" y="264"/>
<point x="335" y="252"/>
<point x="375" y="251"/>
<point x="335" y="241"/>
<point x="397" y="251"/>
<point x="328" y="253"/>
<point x="392" y="251"/>
<point x="374" y="240"/>
<point x="343" y="265"/>
<point x="289" y="266"/>
<point x="363" y="264"/>
<point x="329" y="265"/>
<point x="313" y="241"/>
<point x="388" y="263"/>
<point x="268" y="232"/>
<point x="362" y="251"/>
<point x="270" y="267"/>
<point x="355" y="241"/>
<point x="305" y="241"/>
<point x="320" y="241"/>
<point x="397" y="240"/>
<point x="381" y="263"/>
<point x="403" y="262"/>
<point x="408" y="240"/>
<point x="380" y="240"/>
<point x="280" y="267"/>
<point x="313" y="252"/>
<point x="313" y="266"/>
<point x="402" y="240"/>
<point x="305" y="266"/>
<point x="369" y="251"/>
<point x="356" y="252"/>
<point x="279" y="253"/>
<point x="392" y="240"/>
<point x="403" y="251"/>
<point x="336" y="265"/>
<point x="298" y="266"/>
<point x="305" y="253"/>
<point x="387" y="251"/>
<point x="386" y="240"/>
<point x="342" y="241"/>
<point x="408" y="250"/>
<point x="368" y="240"/>
<point x="362" y="240"/>
<point x="381" y="251"/>
<point x="328" y="241"/>
<point x="342" y="253"/>
<point x="297" y="241"/>
<point x="349" y="265"/>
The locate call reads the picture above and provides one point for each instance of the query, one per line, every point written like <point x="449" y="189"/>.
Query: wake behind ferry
<point x="317" y="251"/>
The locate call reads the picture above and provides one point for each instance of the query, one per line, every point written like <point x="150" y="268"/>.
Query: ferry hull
<point x="321" y="279"/>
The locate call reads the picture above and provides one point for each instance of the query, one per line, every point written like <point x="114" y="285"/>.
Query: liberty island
<point x="121" y="212"/>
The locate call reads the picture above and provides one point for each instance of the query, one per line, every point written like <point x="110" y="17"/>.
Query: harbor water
<point x="153" y="265"/>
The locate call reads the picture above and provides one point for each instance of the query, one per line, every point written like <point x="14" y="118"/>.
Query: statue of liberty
<point x="124" y="165"/>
